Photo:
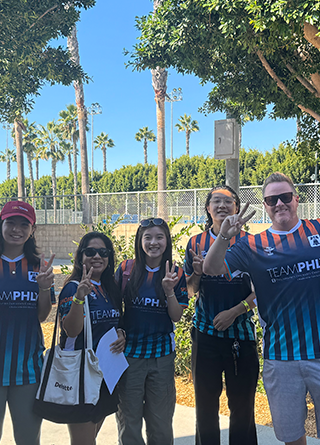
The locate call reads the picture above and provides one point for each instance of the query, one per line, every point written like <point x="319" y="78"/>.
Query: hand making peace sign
<point x="45" y="276"/>
<point x="170" y="280"/>
<point x="85" y="285"/>
<point x="197" y="261"/>
<point x="231" y="226"/>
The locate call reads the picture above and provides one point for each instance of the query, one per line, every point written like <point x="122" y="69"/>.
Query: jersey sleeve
<point x="187" y="267"/>
<point x="237" y="259"/>
<point x="65" y="298"/>
<point x="180" y="289"/>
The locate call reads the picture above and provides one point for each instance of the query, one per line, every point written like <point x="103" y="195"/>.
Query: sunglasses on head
<point x="273" y="199"/>
<point x="92" y="251"/>
<point x="154" y="221"/>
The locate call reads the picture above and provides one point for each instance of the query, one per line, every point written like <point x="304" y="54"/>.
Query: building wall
<point x="58" y="238"/>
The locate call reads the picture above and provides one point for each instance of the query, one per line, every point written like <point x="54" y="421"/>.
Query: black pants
<point x="210" y="357"/>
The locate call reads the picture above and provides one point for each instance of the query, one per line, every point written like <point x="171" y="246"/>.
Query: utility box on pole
<point x="227" y="136"/>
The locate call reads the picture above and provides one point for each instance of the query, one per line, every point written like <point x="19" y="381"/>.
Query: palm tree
<point x="48" y="142"/>
<point x="82" y="120"/>
<point x="66" y="148"/>
<point x="159" y="83"/>
<point x="189" y="126"/>
<point x="102" y="141"/>
<point x="28" y="143"/>
<point x="36" y="157"/>
<point x="70" y="131"/>
<point x="8" y="156"/>
<point x="18" y="128"/>
<point x="145" y="135"/>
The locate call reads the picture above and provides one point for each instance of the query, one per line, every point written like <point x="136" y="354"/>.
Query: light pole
<point x="94" y="108"/>
<point x="174" y="96"/>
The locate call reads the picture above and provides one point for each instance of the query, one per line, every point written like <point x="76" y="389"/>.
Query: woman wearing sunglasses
<point x="92" y="276"/>
<point x="223" y="336"/>
<point x="154" y="296"/>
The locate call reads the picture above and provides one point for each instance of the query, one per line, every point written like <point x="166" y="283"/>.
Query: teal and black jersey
<point x="21" y="340"/>
<point x="217" y="294"/>
<point x="285" y="270"/>
<point x="146" y="321"/>
<point x="103" y="315"/>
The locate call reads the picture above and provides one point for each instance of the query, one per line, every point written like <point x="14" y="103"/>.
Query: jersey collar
<point x="156" y="269"/>
<point x="9" y="260"/>
<point x="280" y="232"/>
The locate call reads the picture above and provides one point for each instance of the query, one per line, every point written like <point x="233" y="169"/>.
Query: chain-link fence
<point x="134" y="206"/>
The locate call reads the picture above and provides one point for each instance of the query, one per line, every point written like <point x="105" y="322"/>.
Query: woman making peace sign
<point x="154" y="298"/>
<point x="92" y="275"/>
<point x="223" y="336"/>
<point x="25" y="282"/>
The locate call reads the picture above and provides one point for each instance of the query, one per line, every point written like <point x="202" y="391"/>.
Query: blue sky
<point x="127" y="97"/>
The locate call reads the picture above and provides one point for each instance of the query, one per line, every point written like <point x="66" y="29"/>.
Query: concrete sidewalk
<point x="184" y="421"/>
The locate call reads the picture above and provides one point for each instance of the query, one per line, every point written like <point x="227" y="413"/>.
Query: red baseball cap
<point x="18" y="208"/>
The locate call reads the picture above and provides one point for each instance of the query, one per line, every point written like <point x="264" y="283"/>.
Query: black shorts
<point x="107" y="404"/>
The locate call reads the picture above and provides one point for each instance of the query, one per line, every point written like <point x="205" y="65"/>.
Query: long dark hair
<point x="30" y="248"/>
<point x="139" y="269"/>
<point x="107" y="277"/>
<point x="209" y="221"/>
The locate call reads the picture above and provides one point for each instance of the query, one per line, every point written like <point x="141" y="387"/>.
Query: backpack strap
<point x="126" y="268"/>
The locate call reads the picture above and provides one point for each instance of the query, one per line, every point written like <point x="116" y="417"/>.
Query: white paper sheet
<point x="112" y="365"/>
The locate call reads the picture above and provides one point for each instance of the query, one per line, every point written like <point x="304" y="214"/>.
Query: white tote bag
<point x="70" y="380"/>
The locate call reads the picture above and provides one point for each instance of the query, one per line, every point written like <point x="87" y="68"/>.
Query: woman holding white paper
<point x="92" y="275"/>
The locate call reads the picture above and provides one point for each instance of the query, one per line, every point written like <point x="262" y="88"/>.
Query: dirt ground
<point x="185" y="391"/>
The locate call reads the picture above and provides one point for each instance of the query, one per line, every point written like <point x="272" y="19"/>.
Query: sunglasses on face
<point x="92" y="251"/>
<point x="272" y="200"/>
<point x="154" y="221"/>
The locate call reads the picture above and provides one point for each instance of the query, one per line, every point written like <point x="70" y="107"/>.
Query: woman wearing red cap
<point x="25" y="302"/>
<point x="223" y="335"/>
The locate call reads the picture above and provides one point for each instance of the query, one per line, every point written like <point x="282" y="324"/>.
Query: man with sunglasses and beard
<point x="284" y="265"/>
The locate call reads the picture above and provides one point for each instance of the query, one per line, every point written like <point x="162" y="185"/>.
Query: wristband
<point x="123" y="332"/>
<point x="197" y="274"/>
<point x="77" y="301"/>
<point x="44" y="290"/>
<point x="246" y="305"/>
<point x="224" y="237"/>
<point x="170" y="296"/>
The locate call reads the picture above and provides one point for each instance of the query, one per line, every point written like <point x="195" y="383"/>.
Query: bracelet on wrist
<point x="77" y="300"/>
<point x="224" y="237"/>
<point x="246" y="305"/>
<point x="170" y="296"/>
<point x="46" y="289"/>
<point x="123" y="332"/>
<point x="197" y="274"/>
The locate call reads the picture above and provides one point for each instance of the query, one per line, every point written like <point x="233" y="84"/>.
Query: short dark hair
<point x="209" y="221"/>
<point x="278" y="177"/>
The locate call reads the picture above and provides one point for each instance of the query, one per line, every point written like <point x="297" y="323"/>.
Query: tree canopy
<point x="26" y="58"/>
<point x="256" y="52"/>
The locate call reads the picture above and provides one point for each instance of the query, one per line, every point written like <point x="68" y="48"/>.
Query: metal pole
<point x="62" y="206"/>
<point x="45" y="210"/>
<point x="171" y="151"/>
<point x="174" y="96"/>
<point x="92" y="146"/>
<point x="232" y="165"/>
